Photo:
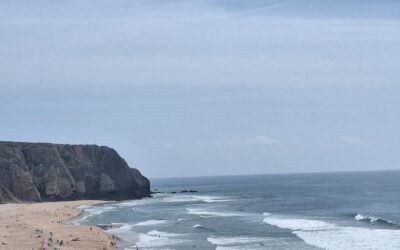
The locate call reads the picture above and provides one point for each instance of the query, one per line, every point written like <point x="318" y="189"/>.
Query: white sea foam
<point x="299" y="224"/>
<point x="151" y="222"/>
<point x="130" y="203"/>
<point x="360" y="217"/>
<point x="244" y="243"/>
<point x="125" y="228"/>
<point x="162" y="234"/>
<point x="333" y="237"/>
<point x="90" y="211"/>
<point x="212" y="199"/>
<point x="157" y="238"/>
<point x="252" y="247"/>
<point x="229" y="241"/>
<point x="124" y="232"/>
<point x="96" y="210"/>
<point x="353" y="238"/>
<point x="134" y="203"/>
<point x="204" y="228"/>
<point x="179" y="198"/>
<point x="206" y="213"/>
<point x="146" y="240"/>
<point x="194" y="198"/>
<point x="134" y="247"/>
<point x="372" y="219"/>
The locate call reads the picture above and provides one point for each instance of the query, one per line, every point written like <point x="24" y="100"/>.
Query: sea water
<point x="293" y="211"/>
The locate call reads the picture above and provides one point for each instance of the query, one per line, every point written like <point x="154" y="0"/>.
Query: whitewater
<point x="304" y="211"/>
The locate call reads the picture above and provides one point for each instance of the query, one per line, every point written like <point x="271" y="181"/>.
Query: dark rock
<point x="157" y="192"/>
<point x="188" y="191"/>
<point x="49" y="172"/>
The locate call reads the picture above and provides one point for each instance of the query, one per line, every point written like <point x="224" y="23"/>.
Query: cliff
<point x="51" y="172"/>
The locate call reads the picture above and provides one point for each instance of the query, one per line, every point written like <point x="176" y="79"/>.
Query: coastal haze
<point x="193" y="88"/>
<point x="200" y="124"/>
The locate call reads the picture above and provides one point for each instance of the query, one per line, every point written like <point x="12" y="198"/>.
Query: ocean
<point x="340" y="211"/>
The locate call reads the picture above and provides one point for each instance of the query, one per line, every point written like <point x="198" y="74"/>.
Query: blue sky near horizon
<point x="204" y="87"/>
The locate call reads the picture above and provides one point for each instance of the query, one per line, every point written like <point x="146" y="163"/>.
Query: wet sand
<point x="28" y="226"/>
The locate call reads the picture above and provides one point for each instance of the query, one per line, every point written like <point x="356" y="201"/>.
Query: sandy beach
<point x="28" y="226"/>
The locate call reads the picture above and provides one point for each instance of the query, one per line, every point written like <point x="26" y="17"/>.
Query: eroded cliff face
<point x="48" y="172"/>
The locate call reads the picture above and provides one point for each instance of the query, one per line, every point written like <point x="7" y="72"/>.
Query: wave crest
<point x="208" y="214"/>
<point x="375" y="220"/>
<point x="150" y="222"/>
<point x="330" y="236"/>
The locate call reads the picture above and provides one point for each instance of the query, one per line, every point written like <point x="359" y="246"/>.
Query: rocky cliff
<point x="50" y="172"/>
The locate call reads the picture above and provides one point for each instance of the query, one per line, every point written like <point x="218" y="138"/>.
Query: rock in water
<point x="51" y="172"/>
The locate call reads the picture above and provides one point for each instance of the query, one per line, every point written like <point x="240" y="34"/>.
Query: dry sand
<point x="24" y="226"/>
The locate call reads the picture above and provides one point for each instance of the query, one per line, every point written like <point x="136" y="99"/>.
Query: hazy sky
<point x="207" y="87"/>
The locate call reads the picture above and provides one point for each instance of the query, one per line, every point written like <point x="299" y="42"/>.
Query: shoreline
<point x="31" y="225"/>
<point x="82" y="212"/>
<point x="119" y="243"/>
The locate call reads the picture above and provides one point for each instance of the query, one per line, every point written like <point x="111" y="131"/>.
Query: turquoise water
<point x="297" y="211"/>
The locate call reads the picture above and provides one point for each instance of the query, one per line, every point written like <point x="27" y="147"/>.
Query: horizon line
<point x="288" y="173"/>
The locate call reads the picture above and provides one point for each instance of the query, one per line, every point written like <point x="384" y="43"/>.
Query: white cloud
<point x="151" y="43"/>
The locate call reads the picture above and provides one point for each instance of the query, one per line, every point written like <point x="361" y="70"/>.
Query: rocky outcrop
<point x="50" y="172"/>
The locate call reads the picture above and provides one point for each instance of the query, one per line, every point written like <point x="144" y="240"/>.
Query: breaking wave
<point x="151" y="222"/>
<point x="194" y="198"/>
<point x="375" y="220"/>
<point x="333" y="237"/>
<point x="207" y="213"/>
<point x="245" y="243"/>
<point x="92" y="210"/>
<point x="157" y="238"/>
<point x="204" y="228"/>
